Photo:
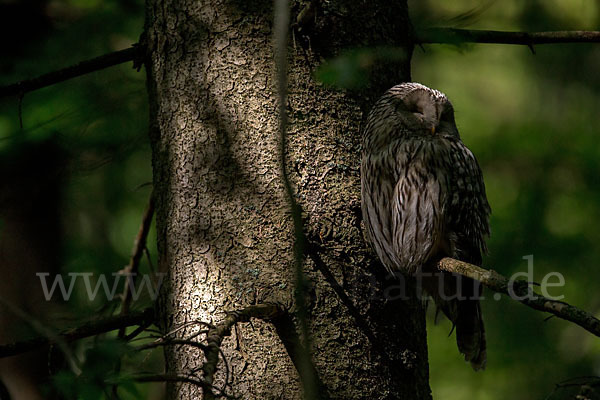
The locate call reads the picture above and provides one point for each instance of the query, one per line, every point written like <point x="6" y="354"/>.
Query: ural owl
<point x="423" y="199"/>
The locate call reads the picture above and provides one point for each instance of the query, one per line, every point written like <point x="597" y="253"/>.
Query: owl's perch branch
<point x="457" y="36"/>
<point x="520" y="291"/>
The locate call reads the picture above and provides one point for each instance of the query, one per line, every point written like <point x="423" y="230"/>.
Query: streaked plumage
<point x="423" y="198"/>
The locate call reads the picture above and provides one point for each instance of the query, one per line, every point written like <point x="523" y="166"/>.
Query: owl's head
<point x="412" y="109"/>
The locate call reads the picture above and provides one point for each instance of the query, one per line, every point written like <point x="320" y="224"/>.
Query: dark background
<point x="531" y="120"/>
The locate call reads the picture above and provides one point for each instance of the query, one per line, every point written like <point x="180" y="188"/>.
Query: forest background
<point x="531" y="119"/>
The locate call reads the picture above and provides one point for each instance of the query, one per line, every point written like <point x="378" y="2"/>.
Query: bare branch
<point x="274" y="313"/>
<point x="313" y="252"/>
<point x="171" y="342"/>
<point x="520" y="291"/>
<point x="132" y="268"/>
<point x="82" y="68"/>
<point x="43" y="330"/>
<point x="428" y="36"/>
<point x="457" y="36"/>
<point x="91" y="328"/>
<point x="131" y="271"/>
<point x="298" y="352"/>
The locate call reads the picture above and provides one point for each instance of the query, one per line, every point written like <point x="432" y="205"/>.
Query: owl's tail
<point x="470" y="333"/>
<point x="458" y="298"/>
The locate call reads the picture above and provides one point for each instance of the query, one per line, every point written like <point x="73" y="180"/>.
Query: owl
<point x="423" y="198"/>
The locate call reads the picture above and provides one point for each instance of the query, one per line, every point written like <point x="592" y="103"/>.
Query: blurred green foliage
<point x="98" y="368"/>
<point x="351" y="70"/>
<point x="531" y="120"/>
<point x="100" y="121"/>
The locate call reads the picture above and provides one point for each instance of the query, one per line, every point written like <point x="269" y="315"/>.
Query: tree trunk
<point x="225" y="234"/>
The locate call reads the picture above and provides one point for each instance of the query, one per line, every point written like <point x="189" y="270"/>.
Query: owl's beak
<point x="433" y="130"/>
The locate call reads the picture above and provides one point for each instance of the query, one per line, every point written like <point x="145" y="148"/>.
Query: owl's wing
<point x="467" y="216"/>
<point x="439" y="209"/>
<point x="418" y="202"/>
<point x="438" y="205"/>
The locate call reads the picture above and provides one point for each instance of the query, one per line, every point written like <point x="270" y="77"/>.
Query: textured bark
<point x="224" y="229"/>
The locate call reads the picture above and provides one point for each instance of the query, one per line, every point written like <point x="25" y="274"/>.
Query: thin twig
<point x="314" y="251"/>
<point x="136" y="332"/>
<point x="91" y="328"/>
<point x="44" y="331"/>
<point x="519" y="290"/>
<point x="583" y="382"/>
<point x="20" y="111"/>
<point x="284" y="325"/>
<point x="131" y="270"/>
<point x="149" y="259"/>
<point x="61" y="75"/>
<point x="188" y="324"/>
<point x="171" y="342"/>
<point x="457" y="36"/>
